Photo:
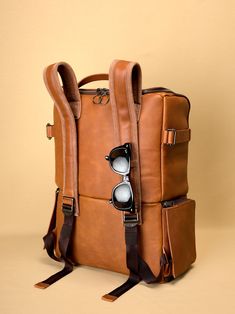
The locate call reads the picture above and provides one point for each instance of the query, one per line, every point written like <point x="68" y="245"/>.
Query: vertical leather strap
<point x="125" y="94"/>
<point x="67" y="101"/>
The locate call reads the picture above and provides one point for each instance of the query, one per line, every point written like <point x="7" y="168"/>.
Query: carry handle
<point x="93" y="78"/>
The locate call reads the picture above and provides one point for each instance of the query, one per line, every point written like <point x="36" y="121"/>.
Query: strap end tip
<point x="41" y="285"/>
<point x="109" y="297"/>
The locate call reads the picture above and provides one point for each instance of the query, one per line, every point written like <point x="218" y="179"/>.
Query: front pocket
<point x="179" y="245"/>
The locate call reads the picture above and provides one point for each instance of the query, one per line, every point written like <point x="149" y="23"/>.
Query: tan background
<point x="186" y="45"/>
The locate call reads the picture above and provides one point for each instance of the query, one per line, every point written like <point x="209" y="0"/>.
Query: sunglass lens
<point x="122" y="193"/>
<point x="120" y="164"/>
<point x="120" y="160"/>
<point x="123" y="197"/>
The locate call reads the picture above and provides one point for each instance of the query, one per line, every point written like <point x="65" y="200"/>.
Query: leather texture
<point x="125" y="79"/>
<point x="180" y="231"/>
<point x="68" y="104"/>
<point x="98" y="235"/>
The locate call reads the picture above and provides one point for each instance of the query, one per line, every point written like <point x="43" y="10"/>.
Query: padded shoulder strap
<point x="67" y="101"/>
<point x="125" y="94"/>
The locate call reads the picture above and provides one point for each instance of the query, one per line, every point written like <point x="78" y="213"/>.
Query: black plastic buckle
<point x="131" y="220"/>
<point x="68" y="209"/>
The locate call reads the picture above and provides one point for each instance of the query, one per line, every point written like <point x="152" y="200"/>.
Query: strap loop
<point x="174" y="136"/>
<point x="50" y="131"/>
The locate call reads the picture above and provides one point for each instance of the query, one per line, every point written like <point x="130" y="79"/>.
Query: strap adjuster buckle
<point x="68" y="205"/>
<point x="131" y="220"/>
<point x="174" y="136"/>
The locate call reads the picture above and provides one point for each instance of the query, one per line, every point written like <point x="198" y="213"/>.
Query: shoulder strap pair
<point x="125" y="94"/>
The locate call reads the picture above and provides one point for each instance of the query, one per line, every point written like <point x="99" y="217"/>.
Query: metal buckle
<point x="131" y="220"/>
<point x="68" y="209"/>
<point x="174" y="138"/>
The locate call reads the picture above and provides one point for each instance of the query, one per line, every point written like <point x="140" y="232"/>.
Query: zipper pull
<point x="169" y="203"/>
<point x="104" y="91"/>
<point x="101" y="93"/>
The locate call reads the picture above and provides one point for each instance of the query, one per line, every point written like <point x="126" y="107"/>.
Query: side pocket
<point x="179" y="245"/>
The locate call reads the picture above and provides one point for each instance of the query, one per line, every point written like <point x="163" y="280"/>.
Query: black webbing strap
<point x="65" y="236"/>
<point x="49" y="239"/>
<point x="139" y="269"/>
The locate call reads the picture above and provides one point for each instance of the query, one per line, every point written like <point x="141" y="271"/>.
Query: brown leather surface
<point x="68" y="104"/>
<point x="168" y="180"/>
<point x="163" y="176"/>
<point x="174" y="158"/>
<point x="171" y="137"/>
<point x="180" y="224"/>
<point x="125" y="79"/>
<point x="98" y="238"/>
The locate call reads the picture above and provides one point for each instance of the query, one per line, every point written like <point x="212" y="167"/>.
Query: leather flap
<point x="181" y="234"/>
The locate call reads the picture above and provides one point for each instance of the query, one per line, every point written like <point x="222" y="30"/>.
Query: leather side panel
<point x="180" y="221"/>
<point x="174" y="158"/>
<point x="150" y="128"/>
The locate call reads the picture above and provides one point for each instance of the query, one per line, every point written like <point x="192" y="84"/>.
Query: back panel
<point x="163" y="167"/>
<point x="163" y="176"/>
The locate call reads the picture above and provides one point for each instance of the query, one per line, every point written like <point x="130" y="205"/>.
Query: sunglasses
<point x="122" y="195"/>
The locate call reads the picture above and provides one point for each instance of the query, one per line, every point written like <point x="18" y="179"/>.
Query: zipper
<point x="173" y="202"/>
<point x="157" y="90"/>
<point x="102" y="92"/>
<point x="92" y="91"/>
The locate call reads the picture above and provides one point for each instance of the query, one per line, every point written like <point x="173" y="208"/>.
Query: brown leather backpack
<point x="149" y="235"/>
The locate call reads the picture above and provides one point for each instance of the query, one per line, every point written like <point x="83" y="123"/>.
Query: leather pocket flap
<point x="180" y="223"/>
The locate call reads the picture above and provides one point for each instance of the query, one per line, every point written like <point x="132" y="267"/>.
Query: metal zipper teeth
<point x="144" y="91"/>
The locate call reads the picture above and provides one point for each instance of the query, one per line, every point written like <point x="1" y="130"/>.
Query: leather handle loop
<point x="67" y="102"/>
<point x="93" y="78"/>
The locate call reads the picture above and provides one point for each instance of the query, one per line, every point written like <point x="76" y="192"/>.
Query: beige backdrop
<point x="186" y="45"/>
